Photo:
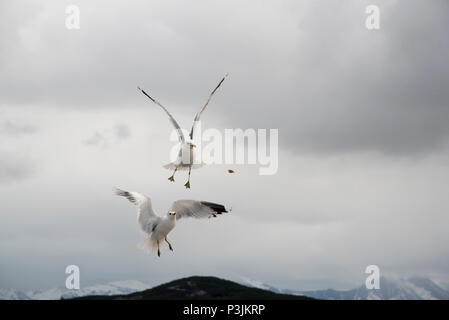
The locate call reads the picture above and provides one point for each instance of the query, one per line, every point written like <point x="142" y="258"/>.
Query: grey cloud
<point x="12" y="128"/>
<point x="326" y="82"/>
<point x="96" y="139"/>
<point x="14" y="169"/>
<point x="122" y="131"/>
<point x="104" y="138"/>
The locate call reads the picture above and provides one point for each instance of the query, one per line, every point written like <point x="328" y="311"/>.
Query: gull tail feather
<point x="148" y="245"/>
<point x="172" y="166"/>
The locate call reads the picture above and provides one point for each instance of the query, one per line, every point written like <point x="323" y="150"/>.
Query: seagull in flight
<point x="157" y="228"/>
<point x="186" y="156"/>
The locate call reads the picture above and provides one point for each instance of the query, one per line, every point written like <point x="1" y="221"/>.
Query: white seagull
<point x="186" y="155"/>
<point x="157" y="228"/>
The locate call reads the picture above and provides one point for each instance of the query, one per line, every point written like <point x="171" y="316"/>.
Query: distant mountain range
<point x="112" y="288"/>
<point x="415" y="288"/>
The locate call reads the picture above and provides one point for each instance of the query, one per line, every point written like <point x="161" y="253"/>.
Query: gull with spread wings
<point x="186" y="156"/>
<point x="157" y="228"/>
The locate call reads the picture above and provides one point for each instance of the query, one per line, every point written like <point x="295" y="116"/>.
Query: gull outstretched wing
<point x="172" y="119"/>
<point x="197" y="209"/>
<point x="198" y="115"/>
<point x="145" y="215"/>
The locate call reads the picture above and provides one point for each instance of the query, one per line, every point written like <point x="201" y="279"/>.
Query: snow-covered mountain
<point x="258" y="284"/>
<point x="112" y="288"/>
<point x="415" y="288"/>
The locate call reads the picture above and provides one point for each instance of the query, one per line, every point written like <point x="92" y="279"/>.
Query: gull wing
<point x="198" y="115"/>
<point x="145" y="214"/>
<point x="197" y="209"/>
<point x="172" y="119"/>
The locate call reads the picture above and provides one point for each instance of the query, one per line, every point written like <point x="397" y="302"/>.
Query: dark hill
<point x="200" y="288"/>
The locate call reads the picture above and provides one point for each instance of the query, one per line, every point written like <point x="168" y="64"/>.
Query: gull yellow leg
<point x="169" y="244"/>
<point x="187" y="185"/>
<point x="172" y="178"/>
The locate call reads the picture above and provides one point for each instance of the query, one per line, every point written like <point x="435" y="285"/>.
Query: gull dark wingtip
<point x="218" y="208"/>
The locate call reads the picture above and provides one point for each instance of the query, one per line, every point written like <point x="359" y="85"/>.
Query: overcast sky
<point x="363" y="133"/>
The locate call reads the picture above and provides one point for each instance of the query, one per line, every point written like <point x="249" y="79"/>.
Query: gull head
<point x="172" y="214"/>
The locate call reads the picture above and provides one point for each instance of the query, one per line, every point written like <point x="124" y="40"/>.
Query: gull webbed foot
<point x="172" y="179"/>
<point x="187" y="185"/>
